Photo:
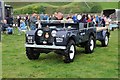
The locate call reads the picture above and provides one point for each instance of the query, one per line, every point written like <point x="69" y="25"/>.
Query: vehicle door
<point x="82" y="32"/>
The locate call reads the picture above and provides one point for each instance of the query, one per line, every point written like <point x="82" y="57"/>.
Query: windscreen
<point x="72" y="26"/>
<point x="61" y="25"/>
<point x="53" y="25"/>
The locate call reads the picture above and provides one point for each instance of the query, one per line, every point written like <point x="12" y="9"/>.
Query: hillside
<point x="22" y="4"/>
<point x="65" y="7"/>
<point x="108" y="5"/>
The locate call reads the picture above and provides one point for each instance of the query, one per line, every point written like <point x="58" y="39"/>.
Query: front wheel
<point x="90" y="45"/>
<point x="105" y="41"/>
<point x="31" y="54"/>
<point x="70" y="52"/>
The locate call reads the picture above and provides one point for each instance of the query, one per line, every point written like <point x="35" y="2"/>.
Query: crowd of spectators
<point x="33" y="22"/>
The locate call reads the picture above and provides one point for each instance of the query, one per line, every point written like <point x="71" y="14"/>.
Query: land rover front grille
<point x="45" y="39"/>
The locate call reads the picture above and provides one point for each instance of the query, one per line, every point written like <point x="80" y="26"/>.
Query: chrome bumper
<point x="45" y="46"/>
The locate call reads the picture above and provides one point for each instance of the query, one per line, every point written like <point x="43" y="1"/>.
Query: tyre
<point x="90" y="45"/>
<point x="31" y="54"/>
<point x="70" y="52"/>
<point x="105" y="42"/>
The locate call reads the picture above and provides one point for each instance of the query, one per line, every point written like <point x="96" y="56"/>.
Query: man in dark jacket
<point x="9" y="20"/>
<point x="4" y="26"/>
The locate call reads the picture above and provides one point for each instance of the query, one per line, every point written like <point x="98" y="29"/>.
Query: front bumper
<point x="45" y="46"/>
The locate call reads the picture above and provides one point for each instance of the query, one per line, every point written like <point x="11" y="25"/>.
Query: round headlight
<point x="39" y="33"/>
<point x="54" y="33"/>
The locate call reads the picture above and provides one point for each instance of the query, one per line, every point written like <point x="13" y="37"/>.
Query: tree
<point x="42" y="9"/>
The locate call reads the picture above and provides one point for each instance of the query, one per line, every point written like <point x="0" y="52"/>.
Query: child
<point x="9" y="30"/>
<point x="22" y="27"/>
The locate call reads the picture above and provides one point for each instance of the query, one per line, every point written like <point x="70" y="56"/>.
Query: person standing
<point x="83" y="19"/>
<point x="74" y="17"/>
<point x="18" y="20"/>
<point x="33" y="20"/>
<point x="38" y="23"/>
<point x="41" y="16"/>
<point x="9" y="20"/>
<point x="89" y="18"/>
<point x="18" y="23"/>
<point x="27" y="21"/>
<point x="97" y="20"/>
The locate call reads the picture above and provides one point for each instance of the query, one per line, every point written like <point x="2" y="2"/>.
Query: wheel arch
<point x="71" y="38"/>
<point x="92" y="34"/>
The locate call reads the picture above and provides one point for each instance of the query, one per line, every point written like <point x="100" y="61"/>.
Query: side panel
<point x="101" y="35"/>
<point x="70" y="34"/>
<point x="85" y="32"/>
<point x="82" y="32"/>
<point x="74" y="35"/>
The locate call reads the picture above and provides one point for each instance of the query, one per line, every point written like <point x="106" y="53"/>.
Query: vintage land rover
<point x="63" y="38"/>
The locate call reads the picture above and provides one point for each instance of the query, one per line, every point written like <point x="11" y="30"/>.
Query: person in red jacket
<point x="89" y="18"/>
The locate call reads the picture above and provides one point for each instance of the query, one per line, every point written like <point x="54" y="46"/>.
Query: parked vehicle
<point x="113" y="26"/>
<point x="9" y="14"/>
<point x="63" y="39"/>
<point x="6" y="12"/>
<point x="1" y="16"/>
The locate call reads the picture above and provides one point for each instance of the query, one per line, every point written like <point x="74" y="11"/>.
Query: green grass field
<point x="103" y="63"/>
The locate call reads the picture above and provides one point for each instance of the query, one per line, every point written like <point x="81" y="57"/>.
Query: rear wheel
<point x="105" y="42"/>
<point x="112" y="29"/>
<point x="90" y="45"/>
<point x="31" y="54"/>
<point x="70" y="52"/>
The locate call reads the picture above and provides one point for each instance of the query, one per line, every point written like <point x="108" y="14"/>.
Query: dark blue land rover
<point x="62" y="38"/>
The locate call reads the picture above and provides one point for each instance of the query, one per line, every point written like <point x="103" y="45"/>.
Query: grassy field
<point x="103" y="63"/>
